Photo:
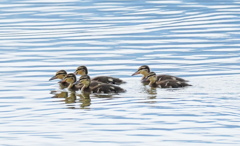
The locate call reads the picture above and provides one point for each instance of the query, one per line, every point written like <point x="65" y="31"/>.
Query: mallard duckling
<point x="82" y="70"/>
<point x="60" y="75"/>
<point x="92" y="84"/>
<point x="71" y="79"/>
<point x="169" y="83"/>
<point x="101" y="88"/>
<point x="145" y="70"/>
<point x="74" y="85"/>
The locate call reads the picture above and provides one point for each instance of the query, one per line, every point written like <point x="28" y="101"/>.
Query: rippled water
<point x="196" y="40"/>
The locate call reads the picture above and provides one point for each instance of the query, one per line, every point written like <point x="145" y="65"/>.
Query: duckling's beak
<point x="136" y="73"/>
<point x="52" y="78"/>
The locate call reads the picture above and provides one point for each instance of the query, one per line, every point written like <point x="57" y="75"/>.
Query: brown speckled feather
<point x="108" y="80"/>
<point x="165" y="77"/>
<point x="169" y="84"/>
<point x="169" y="77"/>
<point x="98" y="87"/>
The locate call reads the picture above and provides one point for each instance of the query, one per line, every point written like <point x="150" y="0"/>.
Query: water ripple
<point x="196" y="40"/>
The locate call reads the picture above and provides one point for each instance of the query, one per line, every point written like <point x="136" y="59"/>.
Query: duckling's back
<point x="172" y="84"/>
<point x="170" y="77"/>
<point x="108" y="80"/>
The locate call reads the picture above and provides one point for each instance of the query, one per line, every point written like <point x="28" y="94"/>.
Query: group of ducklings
<point x="100" y="84"/>
<point x="160" y="81"/>
<point x="107" y="84"/>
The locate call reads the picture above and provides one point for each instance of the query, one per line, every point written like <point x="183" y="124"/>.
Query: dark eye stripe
<point x="141" y="68"/>
<point x="60" y="73"/>
<point x="150" y="76"/>
<point x="69" y="76"/>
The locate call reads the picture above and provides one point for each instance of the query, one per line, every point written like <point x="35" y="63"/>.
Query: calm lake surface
<point x="196" y="40"/>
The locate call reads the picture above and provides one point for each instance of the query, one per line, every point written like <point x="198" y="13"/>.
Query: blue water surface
<point x="195" y="40"/>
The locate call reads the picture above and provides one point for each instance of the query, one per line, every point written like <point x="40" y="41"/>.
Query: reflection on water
<point x="195" y="40"/>
<point x="151" y="92"/>
<point x="85" y="99"/>
<point x="59" y="94"/>
<point x="71" y="97"/>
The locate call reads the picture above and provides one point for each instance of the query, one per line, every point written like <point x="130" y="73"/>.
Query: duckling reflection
<point x="82" y="70"/>
<point x="59" y="94"/>
<point x="152" y="92"/>
<point x="60" y="75"/>
<point x="85" y="99"/>
<point x="71" y="98"/>
<point x="84" y="95"/>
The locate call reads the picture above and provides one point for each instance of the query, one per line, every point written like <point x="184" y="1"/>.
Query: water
<point x="195" y="40"/>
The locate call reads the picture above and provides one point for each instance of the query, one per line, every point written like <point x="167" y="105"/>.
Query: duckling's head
<point x="85" y="80"/>
<point x="152" y="77"/>
<point x="144" y="70"/>
<point x="59" y="75"/>
<point x="70" y="78"/>
<point x="81" y="70"/>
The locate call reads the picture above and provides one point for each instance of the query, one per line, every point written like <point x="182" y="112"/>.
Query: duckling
<point x="144" y="70"/>
<point x="92" y="84"/>
<point x="82" y="70"/>
<point x="74" y="85"/>
<point x="71" y="79"/>
<point x="60" y="75"/>
<point x="101" y="88"/>
<point x="169" y="83"/>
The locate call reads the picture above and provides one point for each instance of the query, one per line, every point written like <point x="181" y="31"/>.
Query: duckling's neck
<point x="86" y="87"/>
<point x="145" y="74"/>
<point x="70" y="86"/>
<point x="152" y="83"/>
